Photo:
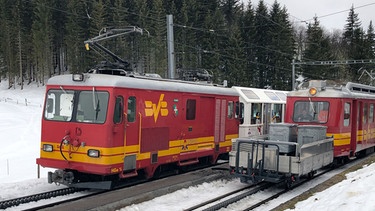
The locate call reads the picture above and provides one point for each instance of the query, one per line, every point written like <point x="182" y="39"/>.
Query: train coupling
<point x="60" y="177"/>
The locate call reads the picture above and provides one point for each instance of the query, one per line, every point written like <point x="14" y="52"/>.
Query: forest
<point x="245" y="44"/>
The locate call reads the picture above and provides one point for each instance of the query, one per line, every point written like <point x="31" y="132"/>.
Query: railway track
<point x="36" y="197"/>
<point x="225" y="200"/>
<point x="239" y="194"/>
<point x="198" y="175"/>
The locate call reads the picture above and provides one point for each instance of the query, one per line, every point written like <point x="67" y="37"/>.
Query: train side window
<point x="240" y="111"/>
<point x="371" y="114"/>
<point x="131" y="109"/>
<point x="346" y="114"/>
<point x="230" y="109"/>
<point x="190" y="109"/>
<point x="118" y="113"/>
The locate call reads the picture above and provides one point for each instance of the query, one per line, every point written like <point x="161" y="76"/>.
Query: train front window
<point x="308" y="111"/>
<point x="59" y="105"/>
<point x="92" y="106"/>
<point x="76" y="106"/>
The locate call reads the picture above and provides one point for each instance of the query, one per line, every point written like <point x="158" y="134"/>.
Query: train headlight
<point x="93" y="153"/>
<point x="77" y="77"/>
<point x="313" y="91"/>
<point x="47" y="147"/>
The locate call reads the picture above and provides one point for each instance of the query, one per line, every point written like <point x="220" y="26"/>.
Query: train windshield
<point x="308" y="111"/>
<point x="76" y="106"/>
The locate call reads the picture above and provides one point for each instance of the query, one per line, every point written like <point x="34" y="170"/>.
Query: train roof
<point x="103" y="80"/>
<point x="254" y="95"/>
<point x="348" y="90"/>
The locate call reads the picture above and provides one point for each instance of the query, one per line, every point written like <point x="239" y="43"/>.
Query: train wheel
<point x="288" y="184"/>
<point x="311" y="174"/>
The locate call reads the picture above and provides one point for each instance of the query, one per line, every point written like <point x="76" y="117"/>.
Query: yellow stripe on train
<point x="115" y="155"/>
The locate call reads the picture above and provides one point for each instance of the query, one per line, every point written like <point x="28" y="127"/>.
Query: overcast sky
<point x="332" y="14"/>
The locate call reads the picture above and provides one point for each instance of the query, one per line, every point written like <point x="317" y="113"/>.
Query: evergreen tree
<point x="281" y="49"/>
<point x="353" y="39"/>
<point x="182" y="33"/>
<point x="317" y="49"/>
<point x="9" y="33"/>
<point x="77" y="33"/>
<point x="233" y="44"/>
<point x="153" y="50"/>
<point x="42" y="39"/>
<point x="338" y="52"/>
<point x="210" y="58"/>
<point x="370" y="42"/>
<point x="59" y="32"/>
<point x="247" y="27"/>
<point x="261" y="43"/>
<point x="119" y="19"/>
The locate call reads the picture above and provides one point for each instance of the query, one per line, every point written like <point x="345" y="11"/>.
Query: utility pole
<point x="170" y="42"/>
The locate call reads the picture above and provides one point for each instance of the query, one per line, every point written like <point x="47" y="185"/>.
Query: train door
<point x="190" y="122"/>
<point x="355" y="121"/>
<point x="220" y="115"/>
<point x="267" y="117"/>
<point x="365" y="125"/>
<point x="131" y="126"/>
<point x="256" y="119"/>
<point x="131" y="136"/>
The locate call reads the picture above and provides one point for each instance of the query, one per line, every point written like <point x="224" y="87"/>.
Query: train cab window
<point x="346" y="114"/>
<point x="118" y="112"/>
<point x="256" y="113"/>
<point x="230" y="109"/>
<point x="76" y="106"/>
<point x="59" y="105"/>
<point x="92" y="106"/>
<point x="308" y="111"/>
<point x="190" y="109"/>
<point x="131" y="109"/>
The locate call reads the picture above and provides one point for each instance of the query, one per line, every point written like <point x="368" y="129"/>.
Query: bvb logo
<point x="153" y="109"/>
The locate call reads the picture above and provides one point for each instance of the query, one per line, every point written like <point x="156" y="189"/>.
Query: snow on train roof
<point x="140" y="83"/>
<point x="261" y="95"/>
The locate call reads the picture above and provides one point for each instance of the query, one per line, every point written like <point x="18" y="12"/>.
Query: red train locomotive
<point x="100" y="128"/>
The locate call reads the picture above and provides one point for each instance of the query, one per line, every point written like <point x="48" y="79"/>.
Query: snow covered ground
<point x="20" y="115"/>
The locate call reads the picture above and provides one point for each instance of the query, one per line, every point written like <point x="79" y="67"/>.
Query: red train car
<point x="99" y="128"/>
<point x="347" y="111"/>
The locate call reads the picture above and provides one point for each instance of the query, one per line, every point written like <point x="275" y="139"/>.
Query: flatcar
<point x="99" y="128"/>
<point x="324" y="124"/>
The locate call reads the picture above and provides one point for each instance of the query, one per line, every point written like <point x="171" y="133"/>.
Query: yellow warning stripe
<point x="115" y="155"/>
